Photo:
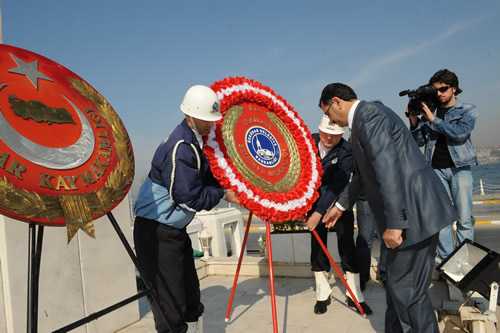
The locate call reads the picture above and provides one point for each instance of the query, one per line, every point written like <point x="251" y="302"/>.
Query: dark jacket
<point x="194" y="188"/>
<point x="403" y="191"/>
<point x="337" y="166"/>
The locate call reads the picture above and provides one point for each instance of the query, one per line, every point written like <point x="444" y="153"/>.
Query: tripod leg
<point x="228" y="313"/>
<point x="34" y="258"/>
<point x="147" y="283"/>
<point x="339" y="273"/>
<point x="271" y="276"/>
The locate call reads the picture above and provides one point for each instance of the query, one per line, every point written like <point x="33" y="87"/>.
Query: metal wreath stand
<point x="34" y="259"/>
<point x="271" y="272"/>
<point x="243" y="103"/>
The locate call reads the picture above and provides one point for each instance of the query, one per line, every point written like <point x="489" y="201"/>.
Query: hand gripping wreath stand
<point x="255" y="150"/>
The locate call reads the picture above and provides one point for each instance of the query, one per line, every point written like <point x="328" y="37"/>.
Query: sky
<point x="142" y="56"/>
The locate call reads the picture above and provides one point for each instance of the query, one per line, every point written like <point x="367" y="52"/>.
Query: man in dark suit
<point x="409" y="203"/>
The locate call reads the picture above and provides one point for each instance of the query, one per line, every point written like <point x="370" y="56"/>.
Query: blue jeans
<point x="364" y="240"/>
<point x="382" y="262"/>
<point x="458" y="184"/>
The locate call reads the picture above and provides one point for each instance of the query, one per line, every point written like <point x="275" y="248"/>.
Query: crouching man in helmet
<point x="337" y="162"/>
<point x="178" y="185"/>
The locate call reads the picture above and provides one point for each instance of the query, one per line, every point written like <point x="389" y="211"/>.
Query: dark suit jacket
<point x="403" y="191"/>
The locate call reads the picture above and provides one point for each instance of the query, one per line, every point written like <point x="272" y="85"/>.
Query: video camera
<point x="426" y="94"/>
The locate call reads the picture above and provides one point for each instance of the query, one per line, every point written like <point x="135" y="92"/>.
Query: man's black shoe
<point x="320" y="306"/>
<point x="364" y="306"/>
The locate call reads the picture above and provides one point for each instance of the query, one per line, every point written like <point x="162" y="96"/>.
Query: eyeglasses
<point x="443" y="89"/>
<point x="326" y="112"/>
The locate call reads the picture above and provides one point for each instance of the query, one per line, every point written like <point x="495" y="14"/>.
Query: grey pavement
<point x="295" y="298"/>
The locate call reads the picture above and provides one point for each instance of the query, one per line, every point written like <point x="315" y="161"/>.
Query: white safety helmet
<point x="328" y="127"/>
<point x="201" y="102"/>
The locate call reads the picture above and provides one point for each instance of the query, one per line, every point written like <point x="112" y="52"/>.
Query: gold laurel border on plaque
<point x="292" y="176"/>
<point x="77" y="209"/>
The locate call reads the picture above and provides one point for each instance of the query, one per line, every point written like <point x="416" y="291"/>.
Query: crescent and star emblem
<point x="52" y="158"/>
<point x="65" y="156"/>
<point x="30" y="69"/>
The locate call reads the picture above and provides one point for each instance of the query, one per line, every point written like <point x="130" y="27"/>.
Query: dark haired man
<point x="446" y="135"/>
<point x="393" y="173"/>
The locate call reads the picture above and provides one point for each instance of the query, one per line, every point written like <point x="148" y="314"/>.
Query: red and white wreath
<point x="273" y="206"/>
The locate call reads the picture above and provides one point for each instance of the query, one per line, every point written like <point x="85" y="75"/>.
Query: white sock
<point x="352" y="280"/>
<point x="323" y="289"/>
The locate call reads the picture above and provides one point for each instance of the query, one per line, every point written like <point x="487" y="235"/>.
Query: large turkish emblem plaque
<point x="262" y="150"/>
<point x="65" y="156"/>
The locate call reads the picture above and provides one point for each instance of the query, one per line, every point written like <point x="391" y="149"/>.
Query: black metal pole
<point x="31" y="261"/>
<point x="101" y="313"/>
<point x="36" y="275"/>
<point x="149" y="290"/>
<point x="153" y="296"/>
<point x="34" y="258"/>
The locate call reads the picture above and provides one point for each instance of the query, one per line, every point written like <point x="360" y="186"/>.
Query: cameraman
<point x="448" y="147"/>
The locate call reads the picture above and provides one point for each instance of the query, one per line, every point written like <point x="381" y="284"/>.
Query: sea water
<point x="489" y="174"/>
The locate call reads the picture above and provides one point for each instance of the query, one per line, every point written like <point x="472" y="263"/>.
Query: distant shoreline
<point x="488" y="160"/>
<point x="489" y="154"/>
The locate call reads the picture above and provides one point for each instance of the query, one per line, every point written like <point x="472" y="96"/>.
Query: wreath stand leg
<point x="339" y="273"/>
<point x="148" y="292"/>
<point x="228" y="313"/>
<point x="34" y="258"/>
<point x="271" y="275"/>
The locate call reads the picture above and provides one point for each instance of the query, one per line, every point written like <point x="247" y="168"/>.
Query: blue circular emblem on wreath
<point x="263" y="147"/>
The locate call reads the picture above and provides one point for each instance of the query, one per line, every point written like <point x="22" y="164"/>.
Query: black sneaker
<point x="320" y="306"/>
<point x="365" y="306"/>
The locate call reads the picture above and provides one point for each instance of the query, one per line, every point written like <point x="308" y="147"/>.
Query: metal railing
<point x="485" y="188"/>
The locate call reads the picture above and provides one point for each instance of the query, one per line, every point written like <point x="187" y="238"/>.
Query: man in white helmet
<point x="336" y="159"/>
<point x="178" y="185"/>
